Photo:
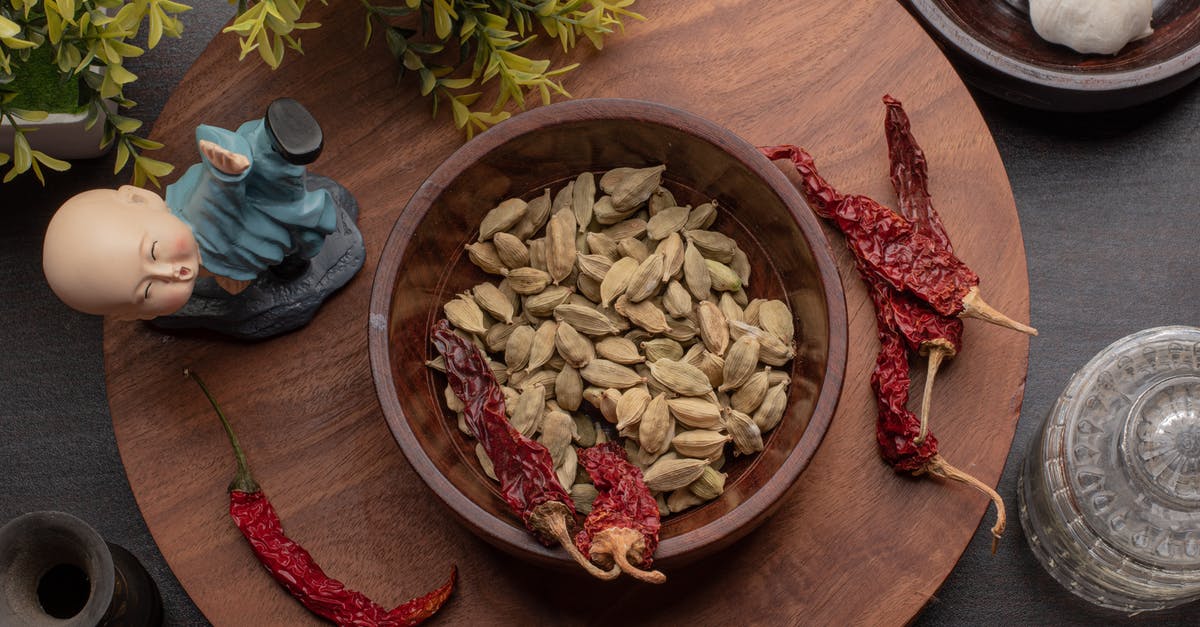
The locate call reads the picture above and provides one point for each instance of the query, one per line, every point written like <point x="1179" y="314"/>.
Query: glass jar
<point x="1109" y="493"/>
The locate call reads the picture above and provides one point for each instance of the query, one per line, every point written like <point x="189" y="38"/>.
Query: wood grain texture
<point x="852" y="543"/>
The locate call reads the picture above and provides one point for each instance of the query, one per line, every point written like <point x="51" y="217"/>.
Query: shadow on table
<point x="1100" y="125"/>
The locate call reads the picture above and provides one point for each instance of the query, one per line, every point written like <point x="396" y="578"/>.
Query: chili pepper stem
<point x="620" y="542"/>
<point x="551" y="518"/>
<point x="975" y="307"/>
<point x="938" y="466"/>
<point x="243" y="481"/>
<point x="936" y="354"/>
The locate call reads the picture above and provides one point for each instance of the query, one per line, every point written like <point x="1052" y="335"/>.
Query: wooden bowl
<point x="995" y="48"/>
<point x="424" y="265"/>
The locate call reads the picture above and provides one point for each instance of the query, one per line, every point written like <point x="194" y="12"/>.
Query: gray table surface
<point x="1108" y="207"/>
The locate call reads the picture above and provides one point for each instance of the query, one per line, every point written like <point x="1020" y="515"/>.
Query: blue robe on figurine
<point x="248" y="222"/>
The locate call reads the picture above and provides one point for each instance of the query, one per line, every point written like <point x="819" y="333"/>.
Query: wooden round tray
<point x="853" y="542"/>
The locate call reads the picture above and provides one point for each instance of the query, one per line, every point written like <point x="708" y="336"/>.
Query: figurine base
<point x="271" y="306"/>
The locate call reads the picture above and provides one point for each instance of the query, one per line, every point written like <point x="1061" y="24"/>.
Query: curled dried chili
<point x="624" y="522"/>
<point x="523" y="466"/>
<point x="293" y="567"/>
<point x="893" y="249"/>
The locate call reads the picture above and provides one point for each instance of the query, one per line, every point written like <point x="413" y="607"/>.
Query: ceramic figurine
<point x="248" y="211"/>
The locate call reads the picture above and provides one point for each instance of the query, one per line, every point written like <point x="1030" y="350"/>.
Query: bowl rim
<point x="516" y="539"/>
<point x="931" y="12"/>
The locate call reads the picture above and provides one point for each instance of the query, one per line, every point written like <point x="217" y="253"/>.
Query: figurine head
<point x="120" y="252"/>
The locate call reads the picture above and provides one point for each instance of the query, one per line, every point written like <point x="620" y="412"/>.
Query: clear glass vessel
<point x="1110" y="490"/>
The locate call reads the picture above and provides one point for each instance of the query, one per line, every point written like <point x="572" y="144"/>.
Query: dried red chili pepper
<point x="910" y="175"/>
<point x="893" y="249"/>
<point x="523" y="466"/>
<point x="905" y="321"/>
<point x="624" y="522"/>
<point x="897" y="428"/>
<point x="293" y="567"/>
<point x="910" y="179"/>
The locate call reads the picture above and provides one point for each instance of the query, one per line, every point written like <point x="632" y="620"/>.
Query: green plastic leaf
<point x="426" y="48"/>
<point x="460" y="111"/>
<point x="396" y="42"/>
<point x="109" y="88"/>
<point x="412" y="61"/>
<point x="17" y="44"/>
<point x="468" y="27"/>
<point x="266" y="51"/>
<point x="68" y="57"/>
<point x="126" y="49"/>
<point x="120" y="75"/>
<point x="153" y="167"/>
<point x="294" y="43"/>
<point x="122" y="157"/>
<point x="124" y="124"/>
<point x="37" y="171"/>
<point x="8" y="28"/>
<point x="174" y="7"/>
<point x="22" y="154"/>
<point x="129" y="16"/>
<point x="288" y="9"/>
<point x="155" y="19"/>
<point x="245" y="48"/>
<point x="457" y="83"/>
<point x="29" y="115"/>
<point x="469" y="99"/>
<point x="54" y="26"/>
<point x="58" y="165"/>
<point x="4" y="158"/>
<point x="428" y="81"/>
<point x="85" y="62"/>
<point x="67" y="7"/>
<point x="143" y="143"/>
<point x="443" y="19"/>
<point x="93" y="115"/>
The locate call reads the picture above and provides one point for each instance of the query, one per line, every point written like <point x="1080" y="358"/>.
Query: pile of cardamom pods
<point x="629" y="303"/>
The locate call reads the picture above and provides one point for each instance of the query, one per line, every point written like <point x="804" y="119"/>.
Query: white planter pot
<point x="60" y="135"/>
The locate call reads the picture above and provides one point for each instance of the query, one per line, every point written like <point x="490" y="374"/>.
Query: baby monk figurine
<point x="248" y="212"/>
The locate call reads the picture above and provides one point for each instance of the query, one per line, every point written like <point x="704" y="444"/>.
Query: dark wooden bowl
<point x="424" y="265"/>
<point x="996" y="49"/>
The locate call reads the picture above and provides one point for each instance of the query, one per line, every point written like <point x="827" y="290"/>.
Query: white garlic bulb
<point x="1091" y="26"/>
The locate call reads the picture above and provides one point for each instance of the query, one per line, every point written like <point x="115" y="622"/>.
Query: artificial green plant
<point x="452" y="46"/>
<point x="88" y="42"/>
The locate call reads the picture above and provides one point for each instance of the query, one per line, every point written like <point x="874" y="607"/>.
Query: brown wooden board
<point x="854" y="542"/>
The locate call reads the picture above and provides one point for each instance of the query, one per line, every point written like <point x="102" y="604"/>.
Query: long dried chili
<point x="624" y="522"/>
<point x="293" y="567"/>
<point x="907" y="320"/>
<point x="890" y="247"/>
<point x="523" y="466"/>
<point x="924" y="330"/>
<point x="910" y="179"/>
<point x="910" y="175"/>
<point x="897" y="429"/>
